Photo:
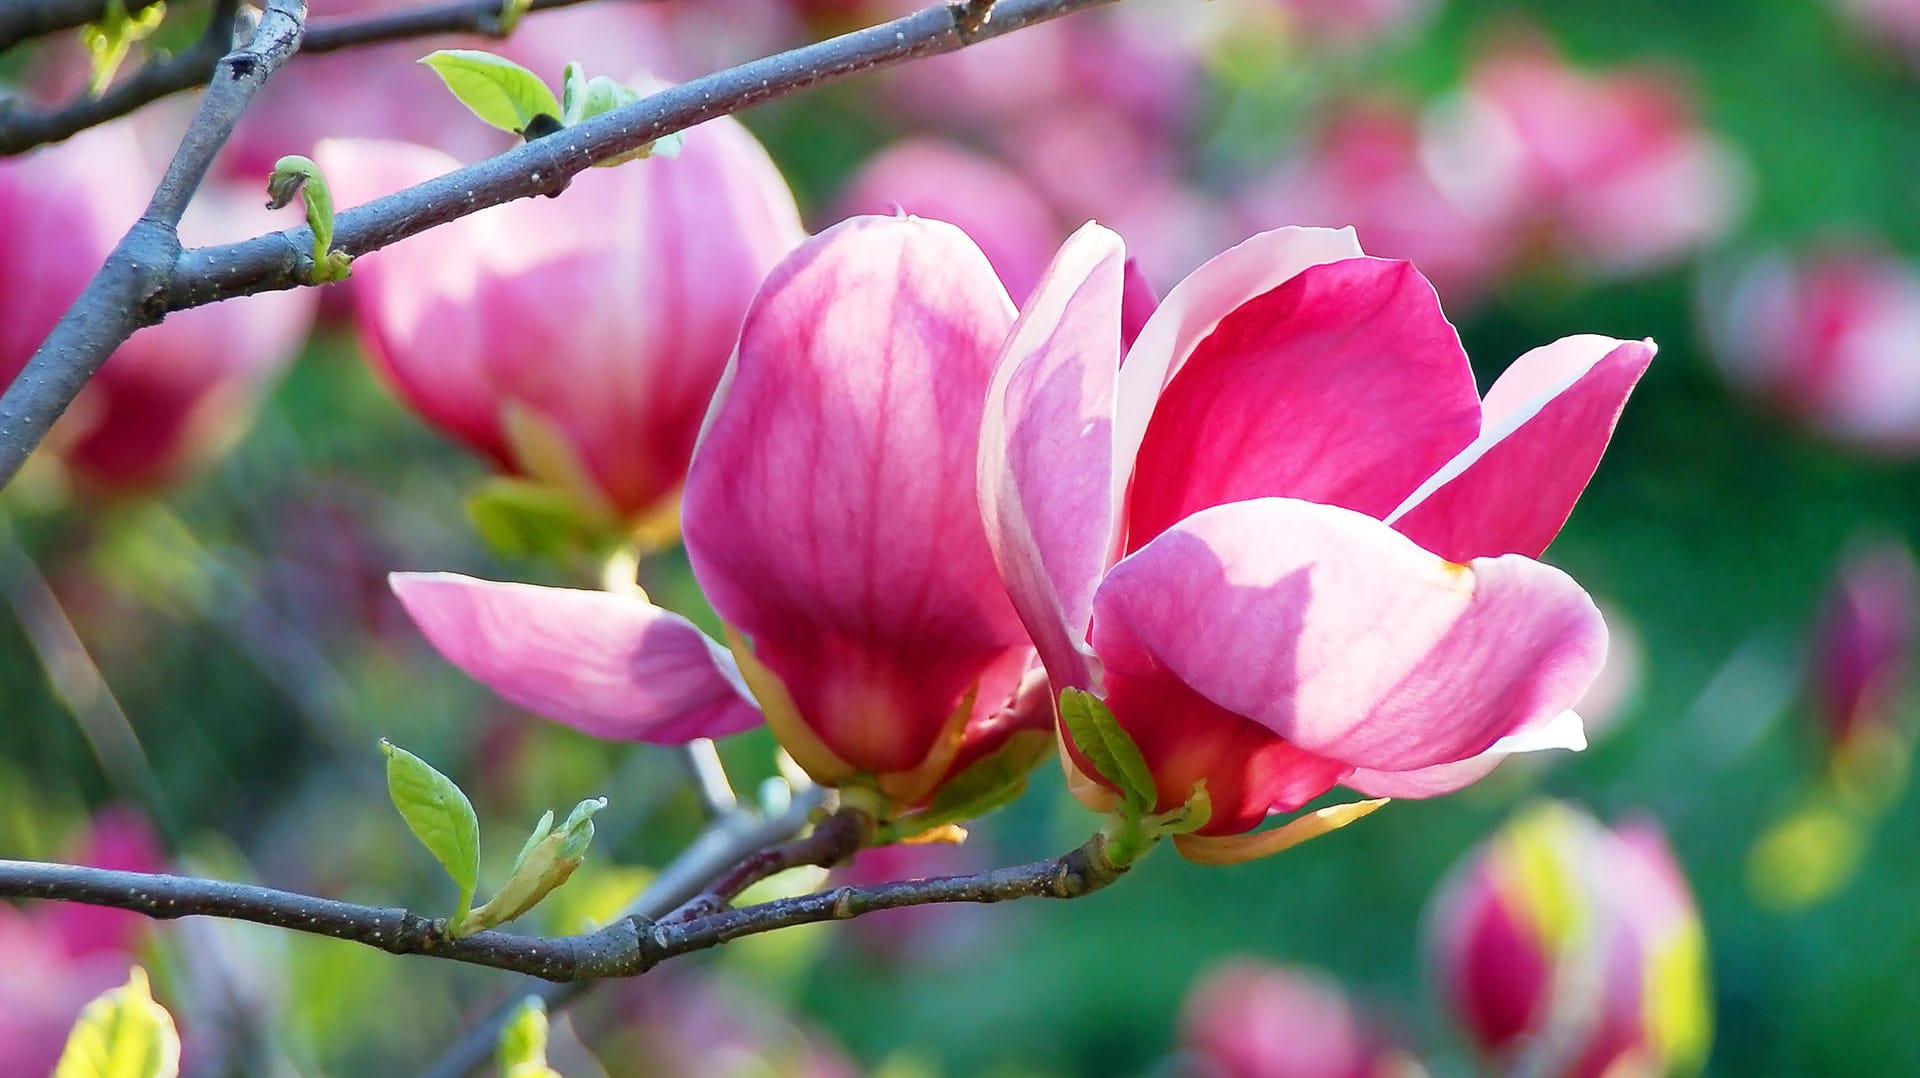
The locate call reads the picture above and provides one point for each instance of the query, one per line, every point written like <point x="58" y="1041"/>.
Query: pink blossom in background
<point x="574" y="340"/>
<point x="944" y="181"/>
<point x="1862" y="655"/>
<point x="1367" y="167"/>
<point x="1568" y="950"/>
<point x="1884" y="23"/>
<point x="1608" y="166"/>
<point x="917" y="936"/>
<point x="682" y="1022"/>
<point x="831" y="519"/>
<point x="1293" y="451"/>
<point x="176" y="393"/>
<point x="1248" y="1019"/>
<point x="60" y="956"/>
<point x="1831" y="337"/>
<point x="1354" y="22"/>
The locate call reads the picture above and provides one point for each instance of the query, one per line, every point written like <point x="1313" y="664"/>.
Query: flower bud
<point x="174" y="394"/>
<point x="1246" y="1019"/>
<point x="574" y="341"/>
<point x="1567" y="949"/>
<point x="1860" y="668"/>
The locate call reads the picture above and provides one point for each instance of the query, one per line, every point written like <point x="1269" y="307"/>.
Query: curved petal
<point x="614" y="666"/>
<point x="1046" y="489"/>
<point x="831" y="510"/>
<point x="1547" y="421"/>
<point x="1345" y="385"/>
<point x="1340" y="635"/>
<point x="1137" y="304"/>
<point x="1562" y="731"/>
<point x="1196" y="305"/>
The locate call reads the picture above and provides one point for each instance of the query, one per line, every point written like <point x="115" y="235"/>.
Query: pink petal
<point x="1345" y="385"/>
<point x="1562" y="731"/>
<point x="832" y="512"/>
<point x="1046" y="490"/>
<point x="1137" y="304"/>
<point x="613" y="666"/>
<point x="1197" y="304"/>
<point x="1342" y="636"/>
<point x="1547" y="420"/>
<point x="413" y="302"/>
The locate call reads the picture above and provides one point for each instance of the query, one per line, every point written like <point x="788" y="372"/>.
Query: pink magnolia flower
<point x="1247" y="1019"/>
<point x="177" y="393"/>
<point x="1568" y="950"/>
<point x="1610" y="166"/>
<point x="1861" y="661"/>
<point x="1285" y="539"/>
<point x="715" y="1027"/>
<point x="831" y="519"/>
<point x="1831" y="338"/>
<point x="574" y="340"/>
<point x="60" y="956"/>
<point x="947" y="182"/>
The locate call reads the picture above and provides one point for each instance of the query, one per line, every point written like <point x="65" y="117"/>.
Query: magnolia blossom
<point x="1608" y="166"/>
<point x="1283" y="537"/>
<point x="1246" y="1019"/>
<point x="831" y="519"/>
<point x="1572" y="951"/>
<point x="1832" y="338"/>
<point x="176" y="393"/>
<point x="1861" y="662"/>
<point x="577" y="340"/>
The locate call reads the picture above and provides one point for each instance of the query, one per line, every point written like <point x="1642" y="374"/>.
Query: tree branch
<point x="103" y="316"/>
<point x="130" y="290"/>
<point x="628" y="947"/>
<point x="22" y="128"/>
<point x="23" y="20"/>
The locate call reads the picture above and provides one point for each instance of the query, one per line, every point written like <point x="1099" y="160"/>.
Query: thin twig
<point x="836" y="838"/>
<point x="723" y="844"/>
<point x="125" y="297"/>
<point x="24" y="20"/>
<point x="626" y="948"/>
<point x="709" y="775"/>
<point x="23" y="127"/>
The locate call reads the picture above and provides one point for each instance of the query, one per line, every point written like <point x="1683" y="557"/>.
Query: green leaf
<point x="498" y="90"/>
<point x="439" y="815"/>
<point x="989" y="783"/>
<point x="108" y="41"/>
<point x="1189" y="817"/>
<point x="122" y="1034"/>
<point x="545" y="862"/>
<point x="573" y="94"/>
<point x="1098" y="736"/>
<point x="522" y="1052"/>
<point x="520" y="518"/>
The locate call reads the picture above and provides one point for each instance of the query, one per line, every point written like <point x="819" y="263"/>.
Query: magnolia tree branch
<point x="129" y="290"/>
<point x="23" y="20"/>
<point x="22" y="128"/>
<point x="545" y="166"/>
<point x="628" y="947"/>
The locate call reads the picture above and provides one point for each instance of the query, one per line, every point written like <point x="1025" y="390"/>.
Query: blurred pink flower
<point x="1367" y="167"/>
<point x="177" y="393"/>
<point x="946" y="182"/>
<point x="1570" y="951"/>
<point x="1354" y="22"/>
<point x="1862" y="661"/>
<point x="59" y="956"/>
<point x="682" y="1023"/>
<point x="1831" y="337"/>
<point x="575" y="340"/>
<point x="1247" y="1019"/>
<point x="1608" y="166"/>
<point x="1885" y="23"/>
<point x="1331" y="544"/>
<point x="917" y="936"/>
<point x="831" y="519"/>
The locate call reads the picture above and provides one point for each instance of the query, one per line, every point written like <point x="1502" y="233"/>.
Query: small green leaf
<point x="573" y="94"/>
<point x="498" y="90"/>
<point x="989" y="783"/>
<point x="1098" y="736"/>
<point x="296" y="175"/>
<point x="510" y="13"/>
<point x="108" y="41"/>
<point x="122" y="1034"/>
<point x="1189" y="817"/>
<point x="523" y="1042"/>
<point x="545" y="862"/>
<point x="439" y="815"/>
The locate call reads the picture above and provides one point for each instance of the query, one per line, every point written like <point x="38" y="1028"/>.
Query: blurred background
<point x="198" y="651"/>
